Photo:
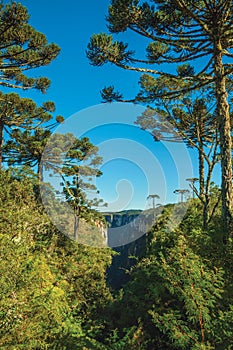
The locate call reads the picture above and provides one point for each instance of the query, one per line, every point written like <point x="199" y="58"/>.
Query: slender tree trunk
<point x="182" y="197"/>
<point x="201" y="174"/>
<point x="206" y="211"/>
<point x="206" y="207"/>
<point x="40" y="171"/>
<point x="225" y="142"/>
<point x="202" y="193"/>
<point x="201" y="158"/>
<point x="76" y="223"/>
<point x="1" y="142"/>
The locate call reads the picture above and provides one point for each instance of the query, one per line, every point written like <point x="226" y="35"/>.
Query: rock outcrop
<point x="127" y="236"/>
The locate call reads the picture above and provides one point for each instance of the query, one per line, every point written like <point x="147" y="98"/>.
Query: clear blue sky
<point x="75" y="83"/>
<point x="75" y="90"/>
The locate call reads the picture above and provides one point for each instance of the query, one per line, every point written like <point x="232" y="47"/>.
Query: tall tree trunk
<point x="201" y="173"/>
<point x="1" y="141"/>
<point x="206" y="212"/>
<point x="225" y="142"/>
<point x="201" y="158"/>
<point x="206" y="207"/>
<point x="40" y="171"/>
<point x="76" y="222"/>
<point x="201" y="154"/>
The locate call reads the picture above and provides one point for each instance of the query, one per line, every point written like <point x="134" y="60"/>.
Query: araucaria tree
<point x="180" y="32"/>
<point x="22" y="48"/>
<point x="22" y="114"/>
<point x="189" y="120"/>
<point x="81" y="164"/>
<point x="76" y="162"/>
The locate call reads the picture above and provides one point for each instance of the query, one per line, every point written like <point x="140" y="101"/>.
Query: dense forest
<point x="57" y="293"/>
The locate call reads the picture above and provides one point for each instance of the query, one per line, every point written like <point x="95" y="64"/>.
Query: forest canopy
<point x="177" y="292"/>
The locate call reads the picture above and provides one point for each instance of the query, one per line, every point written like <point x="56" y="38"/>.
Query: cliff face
<point x="128" y="226"/>
<point x="126" y="234"/>
<point x="120" y="219"/>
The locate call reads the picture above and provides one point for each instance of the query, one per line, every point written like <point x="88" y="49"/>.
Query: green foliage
<point x="177" y="33"/>
<point x="196" y="289"/>
<point x="26" y="147"/>
<point x="52" y="288"/>
<point x="185" y="70"/>
<point x="19" y="118"/>
<point x="79" y="165"/>
<point x="180" y="294"/>
<point x="54" y="293"/>
<point x="155" y="50"/>
<point x="102" y="49"/>
<point x="108" y="94"/>
<point x="22" y="48"/>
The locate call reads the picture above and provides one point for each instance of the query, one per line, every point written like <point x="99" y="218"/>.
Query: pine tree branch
<point x="182" y="4"/>
<point x="11" y="85"/>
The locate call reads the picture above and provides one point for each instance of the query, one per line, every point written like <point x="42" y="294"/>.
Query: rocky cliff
<point x="127" y="235"/>
<point x="128" y="226"/>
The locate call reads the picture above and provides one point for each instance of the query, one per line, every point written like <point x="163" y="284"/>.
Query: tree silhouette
<point x="153" y="197"/>
<point x="181" y="192"/>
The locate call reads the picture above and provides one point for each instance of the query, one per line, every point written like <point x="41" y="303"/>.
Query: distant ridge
<point x="123" y="212"/>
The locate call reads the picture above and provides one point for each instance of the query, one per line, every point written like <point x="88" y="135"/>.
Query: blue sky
<point x="134" y="166"/>
<point x="75" y="83"/>
<point x="75" y="88"/>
